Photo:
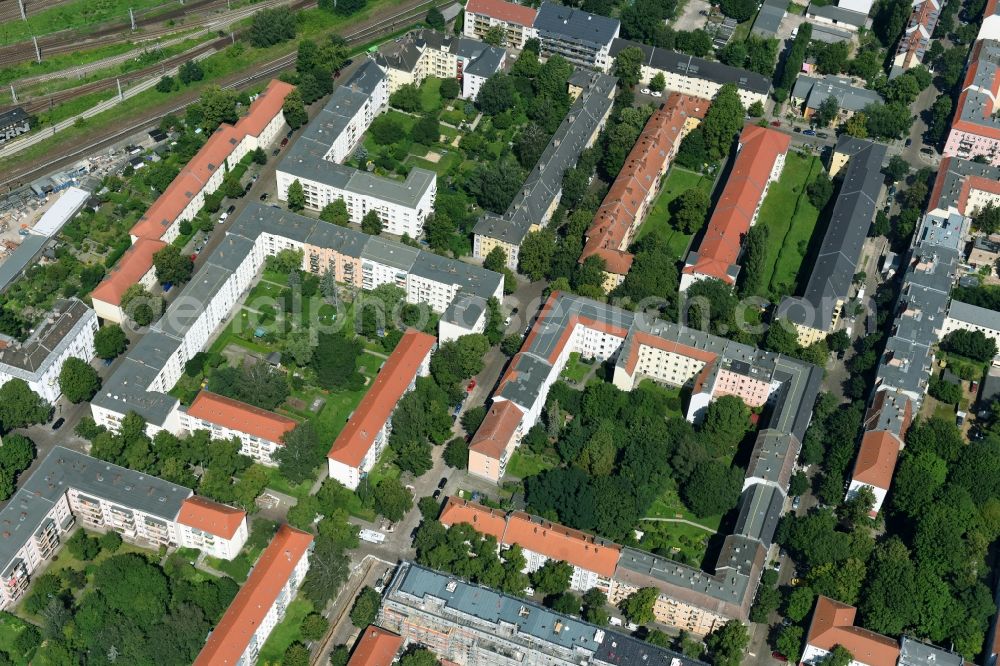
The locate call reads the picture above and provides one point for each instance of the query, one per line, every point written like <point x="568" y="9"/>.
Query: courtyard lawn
<point x="279" y="483"/>
<point x="447" y="162"/>
<point x="790" y="220"/>
<point x="339" y="405"/>
<point x="672" y="396"/>
<point x="286" y="633"/>
<point x="430" y="94"/>
<point x="525" y="463"/>
<point x="576" y="370"/>
<point x="676" y="182"/>
<point x="11" y="627"/>
<point x="669" y="505"/>
<point x="683" y="542"/>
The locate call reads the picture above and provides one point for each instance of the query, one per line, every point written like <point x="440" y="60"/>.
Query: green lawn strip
<point x="676" y="182"/>
<point x="286" y="633"/>
<point x="441" y="167"/>
<point x="525" y="463"/>
<point x="795" y="243"/>
<point x="57" y="63"/>
<point x="77" y="14"/>
<point x="669" y="505"/>
<point x="576" y="370"/>
<point x="430" y="94"/>
<point x="240" y="58"/>
<point x="683" y="542"/>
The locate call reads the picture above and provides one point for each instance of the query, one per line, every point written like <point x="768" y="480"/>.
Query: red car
<point x="780" y="657"/>
<point x="472" y="385"/>
<point x="284" y="142"/>
<point x="194" y="256"/>
<point x="775" y="123"/>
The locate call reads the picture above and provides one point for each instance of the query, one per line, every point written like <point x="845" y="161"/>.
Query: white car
<point x="645" y="91"/>
<point x="656" y="93"/>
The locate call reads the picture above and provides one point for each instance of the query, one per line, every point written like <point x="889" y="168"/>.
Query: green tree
<point x="300" y="454"/>
<point x="826" y="112"/>
<point x="171" y="266"/>
<point x="434" y="18"/>
<point x="335" y="212"/>
<point x="165" y="84"/>
<point x="110" y="341"/>
<point x="392" y="500"/>
<point x="628" y="66"/>
<point x="741" y="10"/>
<point x="190" y="72"/>
<point x="78" y="381"/>
<point x="819" y="191"/>
<point x="756" y="110"/>
<point x="595" y="607"/>
<point x="638" y="606"/>
<point x="294" y="110"/>
<point x="371" y="223"/>
<point x="799" y="603"/>
<point x="272" y="26"/>
<point x="789" y="642"/>
<point x="110" y="541"/>
<point x="296" y="196"/>
<point x="658" y="83"/>
<point x="496" y="95"/>
<point x="727" y="643"/>
<point x="712" y="489"/>
<point x="688" y="211"/>
<point x="343" y="7"/>
<point x="510" y="344"/>
<point x="727" y="420"/>
<point x="839" y="656"/>
<point x="495" y="36"/>
<point x="456" y="453"/>
<point x="141" y="306"/>
<point x="365" y="608"/>
<point x="450" y="89"/>
<point x="768" y="598"/>
<point x="427" y="130"/>
<point x="335" y="361"/>
<point x="296" y="654"/>
<point x="418" y="656"/>
<point x="553" y="577"/>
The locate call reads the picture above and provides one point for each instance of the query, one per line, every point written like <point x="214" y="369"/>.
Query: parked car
<point x="274" y="153"/>
<point x="442" y="483"/>
<point x="437" y="494"/>
<point x="194" y="256"/>
<point x="59" y="423"/>
<point x="645" y="91"/>
<point x="248" y="186"/>
<point x="288" y="135"/>
<point x="927" y="151"/>
<point x="809" y="132"/>
<point x="796" y="502"/>
<point x="230" y="210"/>
<point x="222" y="218"/>
<point x="780" y="657"/>
<point x="263" y="197"/>
<point x="472" y="385"/>
<point x="775" y="123"/>
<point x="797" y="130"/>
<point x="823" y="135"/>
<point x="656" y="93"/>
<point x="909" y="142"/>
<point x="284" y="142"/>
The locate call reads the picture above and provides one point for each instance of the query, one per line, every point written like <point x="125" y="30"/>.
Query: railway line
<point x="74" y="151"/>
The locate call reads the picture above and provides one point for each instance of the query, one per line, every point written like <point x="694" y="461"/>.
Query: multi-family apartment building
<point x="471" y="625"/>
<point x="886" y="422"/>
<point x="628" y="201"/>
<point x="66" y="332"/>
<point x="13" y="123"/>
<point x="698" y="77"/>
<point x="377" y="647"/>
<point x="185" y="196"/>
<point x="832" y="624"/>
<point x="262" y="602"/>
<point x="423" y="53"/>
<point x="639" y="347"/>
<point x="759" y="162"/>
<point x="153" y="365"/>
<point x="68" y="486"/>
<point x="593" y="559"/>
<point x="538" y="198"/>
<point x="581" y="37"/>
<point x="517" y="20"/>
<point x="968" y="317"/>
<point x="831" y="282"/>
<point x="975" y="127"/>
<point x="809" y="92"/>
<point x="402" y="205"/>
<point x="260" y="431"/>
<point x="364" y="438"/>
<point x="917" y="37"/>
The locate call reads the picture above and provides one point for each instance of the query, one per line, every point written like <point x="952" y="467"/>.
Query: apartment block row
<point x="832" y="624"/>
<point x="364" y="438"/>
<point x="975" y="127"/>
<point x="66" y="332"/>
<point x="423" y="53"/>
<point x="917" y="36"/>
<point x="153" y="365"/>
<point x="639" y="347"/>
<point x="314" y="160"/>
<point x="538" y="198"/>
<point x="69" y="486"/>
<point x="262" y="602"/>
<point x="628" y="201"/>
<point x="261" y="432"/>
<point x="759" y="162"/>
<point x="471" y="625"/>
<point x="922" y="316"/>
<point x="831" y="281"/>
<point x="185" y="196"/>
<point x="583" y="38"/>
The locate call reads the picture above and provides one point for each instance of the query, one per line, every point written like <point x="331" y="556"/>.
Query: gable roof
<point x="228" y="641"/>
<point x="237" y="415"/>
<point x="876" y="459"/>
<point x="203" y="514"/>
<point x="374" y="410"/>
<point x="135" y="263"/>
<point x="508" y="12"/>
<point x="497" y="429"/>
<point x="833" y="624"/>
<point x="377" y="647"/>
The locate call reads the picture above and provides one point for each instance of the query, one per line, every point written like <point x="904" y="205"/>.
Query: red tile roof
<point x="975" y="62"/>
<point x="876" y="459"/>
<point x="833" y="625"/>
<point x="508" y="12"/>
<point x="638" y="181"/>
<point x="377" y="647"/>
<point x="375" y="408"/>
<point x="237" y="415"/>
<point x="969" y="183"/>
<point x="720" y="248"/>
<point x="211" y="517"/>
<point x="538" y="535"/>
<point x="497" y="429"/>
<point x="136" y="262"/>
<point x="231" y="637"/>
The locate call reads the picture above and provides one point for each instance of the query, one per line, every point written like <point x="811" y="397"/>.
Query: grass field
<point x="525" y="463"/>
<point x="286" y="633"/>
<point x="11" y="627"/>
<point x="669" y="505"/>
<point x="77" y="14"/>
<point x="684" y="543"/>
<point x="790" y="220"/>
<point x="576" y="370"/>
<point x="676" y="182"/>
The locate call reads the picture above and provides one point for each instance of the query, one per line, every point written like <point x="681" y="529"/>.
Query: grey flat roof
<point x="979" y="108"/>
<point x="838" y="14"/>
<point x="772" y="452"/>
<point x="829" y="35"/>
<point x="63" y="469"/>
<point x="539" y="625"/>
<point x="18" y="260"/>
<point x="544" y="184"/>
<point x="761" y="506"/>
<point x="769" y="18"/>
<point x="59" y="328"/>
<point x="952" y="174"/>
<point x="575" y="24"/>
<point x="975" y="315"/>
<point x="699" y="68"/>
<point x="915" y="653"/>
<point x="11" y="116"/>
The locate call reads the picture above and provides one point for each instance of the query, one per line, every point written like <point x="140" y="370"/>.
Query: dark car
<point x="823" y="135"/>
<point x="263" y="197"/>
<point x="442" y="483"/>
<point x="274" y="152"/>
<point x="229" y="211"/>
<point x="909" y="142"/>
<point x="284" y="142"/>
<point x="437" y="494"/>
<point x="247" y="188"/>
<point x="289" y="134"/>
<point x="927" y="151"/>
<point x="59" y="423"/>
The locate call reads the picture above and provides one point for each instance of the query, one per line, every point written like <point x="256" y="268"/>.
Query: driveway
<point x="692" y="16"/>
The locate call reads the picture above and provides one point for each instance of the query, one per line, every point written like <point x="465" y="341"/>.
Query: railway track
<point x="14" y="177"/>
<point x="147" y="28"/>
